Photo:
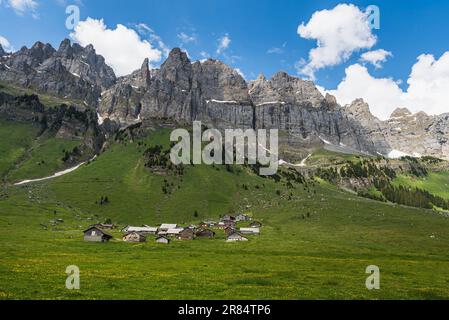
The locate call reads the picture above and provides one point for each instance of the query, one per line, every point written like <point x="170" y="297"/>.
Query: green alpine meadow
<point x="223" y="155"/>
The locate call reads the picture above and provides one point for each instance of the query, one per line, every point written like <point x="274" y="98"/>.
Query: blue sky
<point x="408" y="30"/>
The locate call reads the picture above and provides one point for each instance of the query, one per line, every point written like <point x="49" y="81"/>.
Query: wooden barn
<point x="236" y="237"/>
<point x="134" y="237"/>
<point x="207" y="224"/>
<point x="205" y="233"/>
<point x="94" y="234"/>
<point x="228" y="218"/>
<point x="104" y="226"/>
<point x="162" y="240"/>
<point x="229" y="230"/>
<point x="226" y="224"/>
<point x="186" y="234"/>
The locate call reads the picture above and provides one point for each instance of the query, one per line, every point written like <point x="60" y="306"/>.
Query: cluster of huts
<point x="166" y="232"/>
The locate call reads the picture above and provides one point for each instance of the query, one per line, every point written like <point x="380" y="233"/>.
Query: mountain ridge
<point x="216" y="94"/>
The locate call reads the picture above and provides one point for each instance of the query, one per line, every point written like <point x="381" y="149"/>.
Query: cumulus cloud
<point x="223" y="43"/>
<point x="376" y="57"/>
<point x="427" y="88"/>
<point x="428" y="84"/>
<point x="382" y="94"/>
<point x="6" y="45"/>
<point x="22" y="6"/>
<point x="339" y="33"/>
<point x="122" y="47"/>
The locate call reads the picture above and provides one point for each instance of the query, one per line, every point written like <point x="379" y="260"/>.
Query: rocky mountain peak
<point x="89" y="48"/>
<point x="145" y="65"/>
<point x="176" y="57"/>
<point x="65" y="47"/>
<point x="176" y="67"/>
<point x="2" y="52"/>
<point x="220" y="82"/>
<point x="330" y="99"/>
<point x="85" y="63"/>
<point x="42" y="51"/>
<point x="261" y="77"/>
<point x="401" y="113"/>
<point x="359" y="108"/>
<point x="32" y="57"/>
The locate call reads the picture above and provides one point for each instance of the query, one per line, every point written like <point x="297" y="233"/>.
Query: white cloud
<point x="223" y="43"/>
<point x="145" y="31"/>
<point x="142" y="28"/>
<point x="277" y="50"/>
<point x="383" y="95"/>
<point x="376" y="57"/>
<point x="23" y="6"/>
<point x="185" y="38"/>
<point x="6" y="44"/>
<point x="427" y="88"/>
<point x="122" y="47"/>
<point x="339" y="33"/>
<point x="428" y="85"/>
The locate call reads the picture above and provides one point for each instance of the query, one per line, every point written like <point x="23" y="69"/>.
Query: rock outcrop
<point x="405" y="133"/>
<point x="71" y="72"/>
<point x="212" y="92"/>
<point x="217" y="95"/>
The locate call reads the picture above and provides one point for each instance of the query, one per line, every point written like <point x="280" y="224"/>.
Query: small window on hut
<point x="93" y="233"/>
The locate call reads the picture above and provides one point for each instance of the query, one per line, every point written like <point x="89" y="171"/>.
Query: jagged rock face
<point x="413" y="134"/>
<point x="370" y="126"/>
<point x="32" y="57"/>
<point x="218" y="96"/>
<point x="284" y="89"/>
<point x="122" y="103"/>
<point x="306" y="118"/>
<point x="72" y="72"/>
<point x="2" y="52"/>
<point x="418" y="134"/>
<point x="210" y="92"/>
<point x="221" y="96"/>
<point x="85" y="63"/>
<point x="169" y="94"/>
<point x="219" y="82"/>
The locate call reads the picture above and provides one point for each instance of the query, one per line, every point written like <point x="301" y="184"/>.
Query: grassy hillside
<point x="136" y="196"/>
<point x="435" y="182"/>
<point x="24" y="155"/>
<point x="316" y="242"/>
<point x="46" y="100"/>
<point x="15" y="140"/>
<point x="44" y="158"/>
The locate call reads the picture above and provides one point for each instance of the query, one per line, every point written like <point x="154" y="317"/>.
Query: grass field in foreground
<point x="324" y="256"/>
<point x="296" y="257"/>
